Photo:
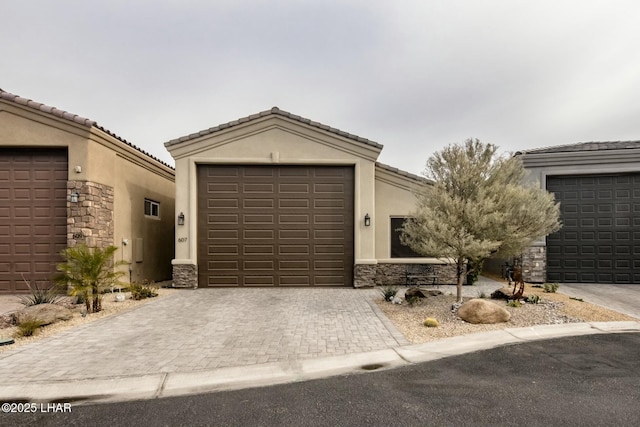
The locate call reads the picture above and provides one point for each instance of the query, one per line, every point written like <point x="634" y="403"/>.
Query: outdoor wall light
<point x="181" y="219"/>
<point x="367" y="220"/>
<point x="74" y="197"/>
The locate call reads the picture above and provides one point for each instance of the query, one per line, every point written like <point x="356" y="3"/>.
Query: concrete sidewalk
<point x="217" y="339"/>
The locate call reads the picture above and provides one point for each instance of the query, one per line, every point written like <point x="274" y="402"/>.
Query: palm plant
<point x="87" y="272"/>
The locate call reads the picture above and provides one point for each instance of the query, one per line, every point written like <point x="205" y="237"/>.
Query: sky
<point x="414" y="76"/>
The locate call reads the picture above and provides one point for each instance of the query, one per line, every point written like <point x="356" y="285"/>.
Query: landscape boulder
<point x="505" y="293"/>
<point x="483" y="311"/>
<point x="417" y="292"/>
<point x="414" y="292"/>
<point x="46" y="313"/>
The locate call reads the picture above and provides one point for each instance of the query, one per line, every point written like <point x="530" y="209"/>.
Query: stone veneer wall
<point x="185" y="276"/>
<point x="90" y="220"/>
<point x="367" y="275"/>
<point x="534" y="264"/>
<point x="364" y="275"/>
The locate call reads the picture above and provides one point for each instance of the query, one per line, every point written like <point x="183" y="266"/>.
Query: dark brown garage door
<point x="600" y="238"/>
<point x="33" y="215"/>
<point x="275" y="226"/>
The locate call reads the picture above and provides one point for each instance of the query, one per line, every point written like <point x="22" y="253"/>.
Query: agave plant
<point x="87" y="272"/>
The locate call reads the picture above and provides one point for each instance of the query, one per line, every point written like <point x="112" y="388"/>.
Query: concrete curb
<point x="232" y="378"/>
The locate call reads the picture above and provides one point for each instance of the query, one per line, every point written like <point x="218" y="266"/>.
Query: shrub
<point x="38" y="295"/>
<point x="430" y="322"/>
<point x="142" y="291"/>
<point x="87" y="272"/>
<point x="550" y="288"/>
<point x="514" y="303"/>
<point x="389" y="292"/>
<point x="412" y="300"/>
<point x="534" y="299"/>
<point x="28" y="327"/>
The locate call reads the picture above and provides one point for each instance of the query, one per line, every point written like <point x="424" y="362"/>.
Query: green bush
<point x="412" y="300"/>
<point x="430" y="322"/>
<point x="28" y="327"/>
<point x="534" y="299"/>
<point x="38" y="295"/>
<point x="514" y="303"/>
<point x="550" y="288"/>
<point x="142" y="291"/>
<point x="389" y="292"/>
<point x="87" y="272"/>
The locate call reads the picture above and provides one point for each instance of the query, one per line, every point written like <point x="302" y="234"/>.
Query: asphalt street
<point x="591" y="380"/>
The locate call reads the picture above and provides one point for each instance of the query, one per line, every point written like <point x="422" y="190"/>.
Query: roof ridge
<point x="584" y="146"/>
<point x="272" y="111"/>
<point x="72" y="117"/>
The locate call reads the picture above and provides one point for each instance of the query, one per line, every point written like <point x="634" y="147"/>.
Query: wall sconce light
<point x="367" y="220"/>
<point x="181" y="219"/>
<point x="74" y="197"/>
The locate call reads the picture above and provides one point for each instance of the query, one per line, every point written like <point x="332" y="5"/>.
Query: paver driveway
<point x="205" y="329"/>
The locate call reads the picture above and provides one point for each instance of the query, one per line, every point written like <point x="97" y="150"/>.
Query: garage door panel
<point x="602" y="209"/>
<point x="295" y="281"/>
<point x="293" y="265"/>
<point x="284" y="224"/>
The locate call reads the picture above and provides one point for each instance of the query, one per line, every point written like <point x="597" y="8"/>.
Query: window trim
<point x="152" y="204"/>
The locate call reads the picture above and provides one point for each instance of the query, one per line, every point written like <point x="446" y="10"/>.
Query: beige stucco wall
<point x="106" y="160"/>
<point x="271" y="141"/>
<point x="395" y="195"/>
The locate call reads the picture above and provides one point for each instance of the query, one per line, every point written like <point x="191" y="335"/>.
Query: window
<point x="398" y="250"/>
<point x="151" y="208"/>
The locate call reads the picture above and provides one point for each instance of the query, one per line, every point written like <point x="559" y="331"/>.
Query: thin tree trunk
<point x="461" y="277"/>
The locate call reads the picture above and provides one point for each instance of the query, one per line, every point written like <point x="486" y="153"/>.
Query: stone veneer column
<point x="364" y="275"/>
<point x="534" y="264"/>
<point x="90" y="219"/>
<point x="185" y="275"/>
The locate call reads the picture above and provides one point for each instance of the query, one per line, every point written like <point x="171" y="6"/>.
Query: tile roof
<point x="584" y="146"/>
<point x="403" y="173"/>
<point x="277" y="112"/>
<point x="71" y="117"/>
<point x="46" y="108"/>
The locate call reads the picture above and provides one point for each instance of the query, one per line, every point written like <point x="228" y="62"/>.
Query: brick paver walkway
<point x="205" y="329"/>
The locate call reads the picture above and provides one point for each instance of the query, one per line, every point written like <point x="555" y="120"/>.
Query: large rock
<point x="421" y="293"/>
<point x="482" y="311"/>
<point x="414" y="292"/>
<point x="505" y="293"/>
<point x="46" y="313"/>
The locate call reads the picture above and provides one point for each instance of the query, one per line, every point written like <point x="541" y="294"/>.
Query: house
<point x="598" y="187"/>
<point x="65" y="180"/>
<point x="274" y="199"/>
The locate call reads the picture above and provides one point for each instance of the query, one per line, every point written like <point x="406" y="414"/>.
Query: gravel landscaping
<point x="554" y="308"/>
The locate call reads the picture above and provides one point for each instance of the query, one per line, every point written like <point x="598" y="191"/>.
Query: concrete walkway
<point x="621" y="298"/>
<point x="215" y="339"/>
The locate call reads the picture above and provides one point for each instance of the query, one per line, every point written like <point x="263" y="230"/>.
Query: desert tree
<point x="477" y="205"/>
<point x="88" y="272"/>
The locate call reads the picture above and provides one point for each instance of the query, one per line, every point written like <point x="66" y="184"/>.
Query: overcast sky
<point x="414" y="76"/>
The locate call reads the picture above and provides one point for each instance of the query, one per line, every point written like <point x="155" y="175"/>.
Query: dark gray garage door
<point x="275" y="226"/>
<point x="600" y="239"/>
<point x="33" y="215"/>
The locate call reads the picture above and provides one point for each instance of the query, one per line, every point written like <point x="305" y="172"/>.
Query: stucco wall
<point x="273" y="141"/>
<point x="99" y="162"/>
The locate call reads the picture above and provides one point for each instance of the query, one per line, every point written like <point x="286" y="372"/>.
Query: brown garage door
<point x="275" y="226"/>
<point x="33" y="215"/>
